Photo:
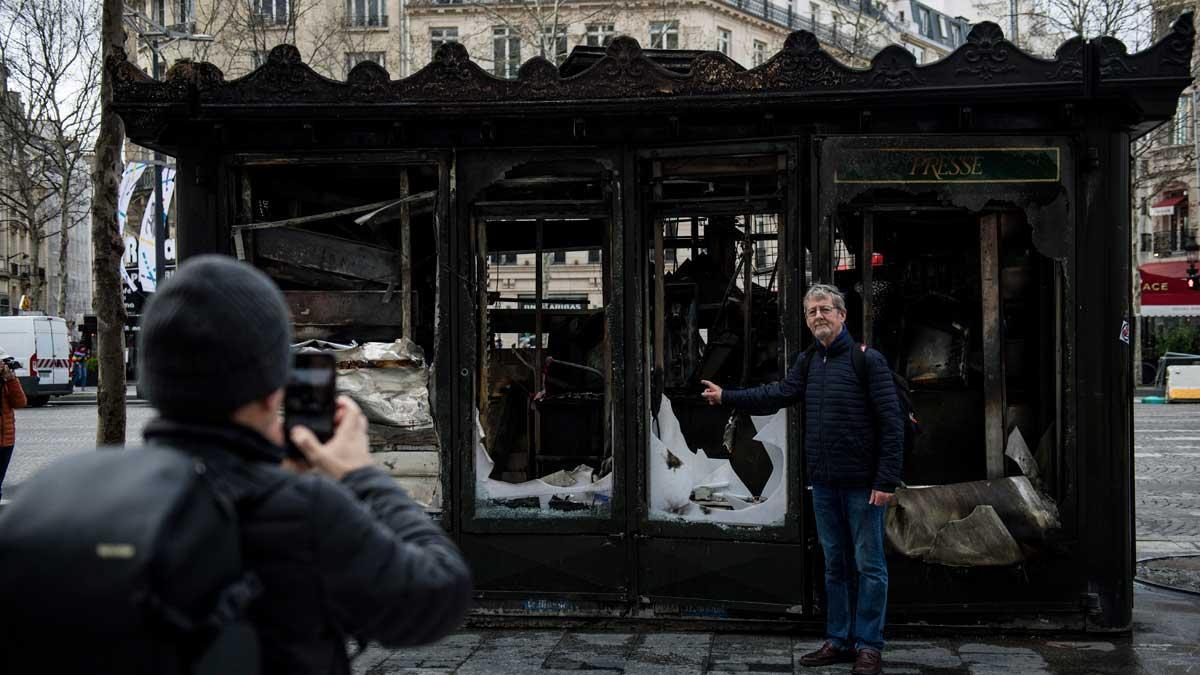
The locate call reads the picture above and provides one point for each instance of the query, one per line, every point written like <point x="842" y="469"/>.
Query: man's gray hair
<point x="826" y="291"/>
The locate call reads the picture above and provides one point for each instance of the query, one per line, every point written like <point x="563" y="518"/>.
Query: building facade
<point x="23" y="254"/>
<point x="401" y="35"/>
<point x="1166" y="189"/>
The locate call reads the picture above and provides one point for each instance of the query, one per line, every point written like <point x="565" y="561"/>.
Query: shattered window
<point x="354" y="249"/>
<point x="714" y="314"/>
<point x="927" y="315"/>
<point x="543" y="447"/>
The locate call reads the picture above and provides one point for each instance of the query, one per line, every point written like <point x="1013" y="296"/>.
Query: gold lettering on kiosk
<point x="948" y="165"/>
<point x="1157" y="286"/>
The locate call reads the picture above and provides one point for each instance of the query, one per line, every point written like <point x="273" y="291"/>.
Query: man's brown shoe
<point x="868" y="662"/>
<point x="826" y="655"/>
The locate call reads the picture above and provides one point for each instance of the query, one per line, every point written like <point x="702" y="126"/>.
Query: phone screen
<point x="310" y="395"/>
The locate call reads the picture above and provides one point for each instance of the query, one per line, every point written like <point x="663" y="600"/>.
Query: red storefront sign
<point x="1165" y="290"/>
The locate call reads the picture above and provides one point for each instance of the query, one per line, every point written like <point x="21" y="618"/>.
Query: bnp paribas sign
<point x="866" y="166"/>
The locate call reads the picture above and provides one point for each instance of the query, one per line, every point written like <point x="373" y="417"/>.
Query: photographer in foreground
<point x="328" y="546"/>
<point x="341" y="550"/>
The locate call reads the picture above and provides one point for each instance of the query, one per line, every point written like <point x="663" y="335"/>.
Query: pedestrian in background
<point x="79" y="358"/>
<point x="11" y="398"/>
<point x="854" y="449"/>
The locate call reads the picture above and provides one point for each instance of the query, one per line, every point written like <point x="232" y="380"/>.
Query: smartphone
<point x="310" y="396"/>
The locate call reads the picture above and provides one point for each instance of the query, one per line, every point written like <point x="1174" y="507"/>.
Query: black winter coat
<point x="336" y="559"/>
<point x="847" y="443"/>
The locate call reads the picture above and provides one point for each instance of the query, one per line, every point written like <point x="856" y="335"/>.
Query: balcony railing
<point x="870" y="41"/>
<point x="1171" y="242"/>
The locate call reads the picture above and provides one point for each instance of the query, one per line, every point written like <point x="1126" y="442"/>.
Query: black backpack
<point x="858" y="360"/>
<point x="133" y="557"/>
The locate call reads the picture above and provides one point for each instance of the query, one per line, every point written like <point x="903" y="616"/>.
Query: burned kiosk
<point x="537" y="272"/>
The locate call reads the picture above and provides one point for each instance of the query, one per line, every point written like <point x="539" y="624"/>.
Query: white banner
<point x="129" y="178"/>
<point x="146" y="255"/>
<point x="1162" y="210"/>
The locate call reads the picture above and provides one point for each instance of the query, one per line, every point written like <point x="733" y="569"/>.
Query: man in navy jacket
<point x="853" y="446"/>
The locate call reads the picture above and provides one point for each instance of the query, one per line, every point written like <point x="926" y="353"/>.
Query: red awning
<point x="1169" y="201"/>
<point x="1166" y="207"/>
<point x="1165" y="291"/>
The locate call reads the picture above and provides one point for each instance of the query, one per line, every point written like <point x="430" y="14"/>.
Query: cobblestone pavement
<point x="1166" y="457"/>
<point x="1155" y="646"/>
<point x="59" y="429"/>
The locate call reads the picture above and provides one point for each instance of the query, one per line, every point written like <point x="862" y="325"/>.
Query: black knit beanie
<point x="214" y="337"/>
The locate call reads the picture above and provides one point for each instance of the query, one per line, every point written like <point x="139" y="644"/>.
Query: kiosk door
<point x="719" y="516"/>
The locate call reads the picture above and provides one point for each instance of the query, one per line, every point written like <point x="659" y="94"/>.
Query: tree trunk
<point x="64" y="221"/>
<point x="108" y="245"/>
<point x="35" y="261"/>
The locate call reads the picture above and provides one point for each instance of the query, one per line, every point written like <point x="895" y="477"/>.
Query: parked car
<point x="41" y="345"/>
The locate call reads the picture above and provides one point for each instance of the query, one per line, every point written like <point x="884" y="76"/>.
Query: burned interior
<point x="540" y="235"/>
<point x="354" y="251"/>
<point x="714" y="302"/>
<point x="526" y="279"/>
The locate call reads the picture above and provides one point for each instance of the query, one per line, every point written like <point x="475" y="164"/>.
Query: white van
<point x="41" y="345"/>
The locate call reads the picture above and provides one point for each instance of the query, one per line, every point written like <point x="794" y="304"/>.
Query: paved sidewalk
<point x="1166" y="626"/>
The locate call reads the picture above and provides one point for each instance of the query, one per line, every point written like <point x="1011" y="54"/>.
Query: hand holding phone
<point x="346" y="451"/>
<point x="310" y="395"/>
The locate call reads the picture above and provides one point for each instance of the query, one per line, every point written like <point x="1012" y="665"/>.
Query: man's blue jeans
<point x="856" y="579"/>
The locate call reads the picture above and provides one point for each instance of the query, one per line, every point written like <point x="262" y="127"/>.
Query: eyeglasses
<point x="824" y="310"/>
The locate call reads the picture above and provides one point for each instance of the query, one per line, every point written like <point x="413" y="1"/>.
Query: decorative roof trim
<point x="801" y="68"/>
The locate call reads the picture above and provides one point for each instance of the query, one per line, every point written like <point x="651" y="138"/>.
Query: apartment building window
<point x="956" y="34"/>
<point x="724" y="41"/>
<point x="439" y="37"/>
<point x="664" y="35"/>
<point x="593" y="255"/>
<point x="273" y="12"/>
<point x="558" y="258"/>
<point x="506" y="51"/>
<point x="366" y="13"/>
<point x="554" y="43"/>
<point x="185" y="11"/>
<point x="925" y="21"/>
<point x="355" y="58"/>
<point x="918" y="52"/>
<point x="760" y="52"/>
<point x="814" y="10"/>
<point x="1182" y="126"/>
<point x="599" y="34"/>
<point x="158" y="11"/>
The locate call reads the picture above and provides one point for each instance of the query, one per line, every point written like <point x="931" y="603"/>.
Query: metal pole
<point x="1012" y="21"/>
<point x="160" y="218"/>
<point x="1193" y="194"/>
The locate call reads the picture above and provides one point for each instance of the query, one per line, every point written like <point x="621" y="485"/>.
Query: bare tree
<point x="51" y="53"/>
<point x="245" y="31"/>
<point x="109" y="244"/>
<point x="860" y="31"/>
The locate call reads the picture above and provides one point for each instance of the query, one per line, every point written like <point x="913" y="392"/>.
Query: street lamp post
<point x="1192" y="250"/>
<point x="152" y="32"/>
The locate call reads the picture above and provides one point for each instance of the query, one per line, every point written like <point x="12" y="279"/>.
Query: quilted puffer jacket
<point x="350" y="558"/>
<point x="849" y="441"/>
<point x="12" y="397"/>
